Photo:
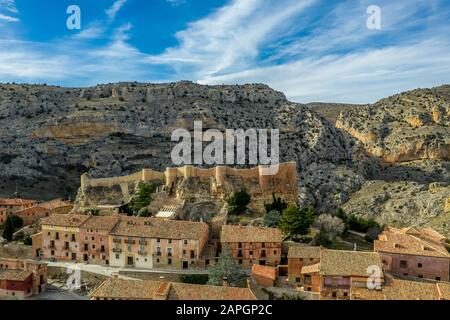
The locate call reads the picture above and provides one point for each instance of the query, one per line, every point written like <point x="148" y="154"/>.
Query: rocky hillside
<point x="50" y="135"/>
<point x="389" y="160"/>
<point x="408" y="135"/>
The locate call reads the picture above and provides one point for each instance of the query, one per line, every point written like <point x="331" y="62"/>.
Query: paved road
<point x="108" y="271"/>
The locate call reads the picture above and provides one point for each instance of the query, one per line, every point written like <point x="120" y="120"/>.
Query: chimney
<point x="225" y="282"/>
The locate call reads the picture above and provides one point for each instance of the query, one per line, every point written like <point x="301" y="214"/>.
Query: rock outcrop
<point x="407" y="137"/>
<point x="52" y="135"/>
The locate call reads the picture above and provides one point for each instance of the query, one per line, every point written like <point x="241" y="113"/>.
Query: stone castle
<point x="193" y="185"/>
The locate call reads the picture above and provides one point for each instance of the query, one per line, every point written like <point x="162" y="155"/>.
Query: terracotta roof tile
<point x="101" y="223"/>
<point x="308" y="252"/>
<point x="232" y="233"/>
<point x="311" y="268"/>
<point x="149" y="289"/>
<point x="344" y="263"/>
<point x="415" y="241"/>
<point x="16" y="202"/>
<point x="126" y="289"/>
<point x="444" y="290"/>
<point x="184" y="291"/>
<point x="159" y="228"/>
<point x="65" y="220"/>
<point x="264" y="271"/>
<point x="53" y="204"/>
<point x="14" y="275"/>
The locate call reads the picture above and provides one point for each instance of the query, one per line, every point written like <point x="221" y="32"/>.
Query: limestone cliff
<point x="52" y="135"/>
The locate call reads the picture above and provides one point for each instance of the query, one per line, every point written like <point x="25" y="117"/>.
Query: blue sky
<point x="312" y="50"/>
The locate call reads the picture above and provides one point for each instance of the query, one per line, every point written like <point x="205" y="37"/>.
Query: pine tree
<point x="238" y="201"/>
<point x="296" y="221"/>
<point x="226" y="267"/>
<point x="143" y="197"/>
<point x="8" y="229"/>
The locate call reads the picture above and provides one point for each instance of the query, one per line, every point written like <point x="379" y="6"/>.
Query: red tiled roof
<point x="16" y="202"/>
<point x="65" y="220"/>
<point x="415" y="241"/>
<point x="232" y="233"/>
<point x="264" y="271"/>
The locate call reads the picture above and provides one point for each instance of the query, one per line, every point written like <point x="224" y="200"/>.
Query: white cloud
<point x="176" y="3"/>
<point x="9" y="5"/>
<point x="93" y="31"/>
<point x="360" y="77"/>
<point x="115" y="8"/>
<point x="229" y="39"/>
<point x="8" y="18"/>
<point x="336" y="60"/>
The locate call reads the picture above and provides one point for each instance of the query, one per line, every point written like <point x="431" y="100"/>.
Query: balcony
<point x="143" y="242"/>
<point x="117" y="250"/>
<point x="142" y="253"/>
<point x="130" y="241"/>
<point x="157" y="254"/>
<point x="117" y="240"/>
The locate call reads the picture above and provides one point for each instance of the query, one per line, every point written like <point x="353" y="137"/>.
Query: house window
<point x="158" y="240"/>
<point x="275" y="252"/>
<point x="240" y="261"/>
<point x="297" y="279"/>
<point x="438" y="278"/>
<point x="345" y="294"/>
<point x="403" y="264"/>
<point x="334" y="294"/>
<point x="169" y="261"/>
<point x="419" y="265"/>
<point x="117" y="256"/>
<point x="240" y="245"/>
<point x="420" y="276"/>
<point x="185" y="241"/>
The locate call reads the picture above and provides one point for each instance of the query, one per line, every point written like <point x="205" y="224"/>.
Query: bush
<point x="271" y="219"/>
<point x="330" y="226"/>
<point x="277" y="204"/>
<point x="238" y="201"/>
<point x="194" y="278"/>
<point x="27" y="241"/>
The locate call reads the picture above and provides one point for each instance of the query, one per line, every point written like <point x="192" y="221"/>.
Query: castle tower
<point x="221" y="173"/>
<point x="171" y="176"/>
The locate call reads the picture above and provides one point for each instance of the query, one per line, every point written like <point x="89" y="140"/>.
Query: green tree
<point x="17" y="222"/>
<point x="27" y="240"/>
<point x="226" y="267"/>
<point x="238" y="201"/>
<point x="272" y="219"/>
<point x="322" y="238"/>
<point x="143" y="197"/>
<point x="296" y="221"/>
<point x="277" y="204"/>
<point x="93" y="211"/>
<point x="8" y="230"/>
<point x="194" y="278"/>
